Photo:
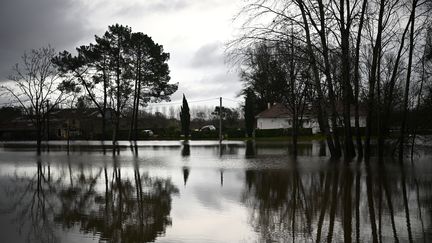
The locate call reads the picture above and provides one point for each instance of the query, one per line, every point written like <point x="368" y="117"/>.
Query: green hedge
<point x="234" y="133"/>
<point x="205" y="134"/>
<point x="281" y="132"/>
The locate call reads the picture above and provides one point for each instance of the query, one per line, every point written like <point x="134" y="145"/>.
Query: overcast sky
<point x="192" y="31"/>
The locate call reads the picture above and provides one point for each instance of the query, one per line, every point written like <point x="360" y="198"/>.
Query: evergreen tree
<point x="128" y="67"/>
<point x="249" y="112"/>
<point x="185" y="118"/>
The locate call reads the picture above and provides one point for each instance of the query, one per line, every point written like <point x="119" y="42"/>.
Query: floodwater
<point x="206" y="192"/>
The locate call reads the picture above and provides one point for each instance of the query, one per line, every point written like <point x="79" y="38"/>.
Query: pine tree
<point x="185" y="118"/>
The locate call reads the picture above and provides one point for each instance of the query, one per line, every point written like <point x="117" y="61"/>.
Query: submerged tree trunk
<point x="294" y="100"/>
<point x="138" y="95"/>
<point x="118" y="97"/>
<point x="423" y="76"/>
<point x="357" y="81"/>
<point x="38" y="134"/>
<point x="379" y="110"/>
<point x="346" y="85"/>
<point x="132" y="121"/>
<point x="388" y="95"/>
<point x="372" y="78"/>
<point x="407" y="84"/>
<point x="322" y="113"/>
<point x="104" y="106"/>
<point x="327" y="68"/>
<point x="294" y="135"/>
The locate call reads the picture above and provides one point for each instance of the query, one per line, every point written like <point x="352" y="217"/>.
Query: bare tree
<point x="35" y="82"/>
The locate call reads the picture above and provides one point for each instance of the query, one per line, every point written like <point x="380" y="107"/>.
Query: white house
<point x="278" y="116"/>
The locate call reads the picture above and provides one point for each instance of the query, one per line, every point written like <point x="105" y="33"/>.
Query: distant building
<point x="280" y="117"/>
<point x="77" y="123"/>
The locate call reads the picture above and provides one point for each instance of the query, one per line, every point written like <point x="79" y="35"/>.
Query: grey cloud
<point x="208" y="55"/>
<point x="147" y="7"/>
<point x="138" y="9"/>
<point x="218" y="84"/>
<point x="30" y="24"/>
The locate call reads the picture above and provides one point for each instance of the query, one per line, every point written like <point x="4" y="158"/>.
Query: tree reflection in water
<point x="102" y="202"/>
<point x="346" y="202"/>
<point x="32" y="208"/>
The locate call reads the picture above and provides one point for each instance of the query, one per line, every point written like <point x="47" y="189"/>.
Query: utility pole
<point x="220" y="119"/>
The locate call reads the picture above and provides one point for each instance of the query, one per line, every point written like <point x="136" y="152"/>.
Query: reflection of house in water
<point x="280" y="117"/>
<point x="314" y="148"/>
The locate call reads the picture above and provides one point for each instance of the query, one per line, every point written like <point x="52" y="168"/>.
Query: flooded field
<point x="205" y="192"/>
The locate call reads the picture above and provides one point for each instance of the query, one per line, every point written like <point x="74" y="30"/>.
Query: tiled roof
<point x="277" y="110"/>
<point x="280" y="111"/>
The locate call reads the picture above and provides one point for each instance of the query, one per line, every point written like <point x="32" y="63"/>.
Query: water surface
<point x="204" y="192"/>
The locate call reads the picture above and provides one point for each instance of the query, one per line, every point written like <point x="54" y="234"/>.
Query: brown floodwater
<point x="166" y="191"/>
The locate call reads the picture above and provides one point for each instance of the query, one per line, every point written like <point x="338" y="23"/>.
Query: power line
<point x="232" y="100"/>
<point x="150" y="106"/>
<point x="180" y="102"/>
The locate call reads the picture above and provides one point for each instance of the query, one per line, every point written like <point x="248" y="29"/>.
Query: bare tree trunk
<point x="118" y="105"/>
<point x="379" y="110"/>
<point x="407" y="83"/>
<point x="357" y="80"/>
<point x="68" y="136"/>
<point x="132" y="122"/>
<point x="332" y="99"/>
<point x="294" y="103"/>
<point x="47" y="127"/>
<point x="322" y="113"/>
<point x="349" y="150"/>
<point x="137" y="102"/>
<point x="372" y="78"/>
<point x="388" y="97"/>
<point x="103" y="126"/>
<point x="104" y="107"/>
<point x="38" y="134"/>
<point x="418" y="106"/>
<point x="294" y="134"/>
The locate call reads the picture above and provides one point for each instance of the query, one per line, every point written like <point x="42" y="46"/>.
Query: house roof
<point x="277" y="110"/>
<point x="75" y="113"/>
<point x="280" y="111"/>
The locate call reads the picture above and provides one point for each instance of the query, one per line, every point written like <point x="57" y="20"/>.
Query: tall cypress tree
<point x="185" y="118"/>
<point x="249" y="112"/>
